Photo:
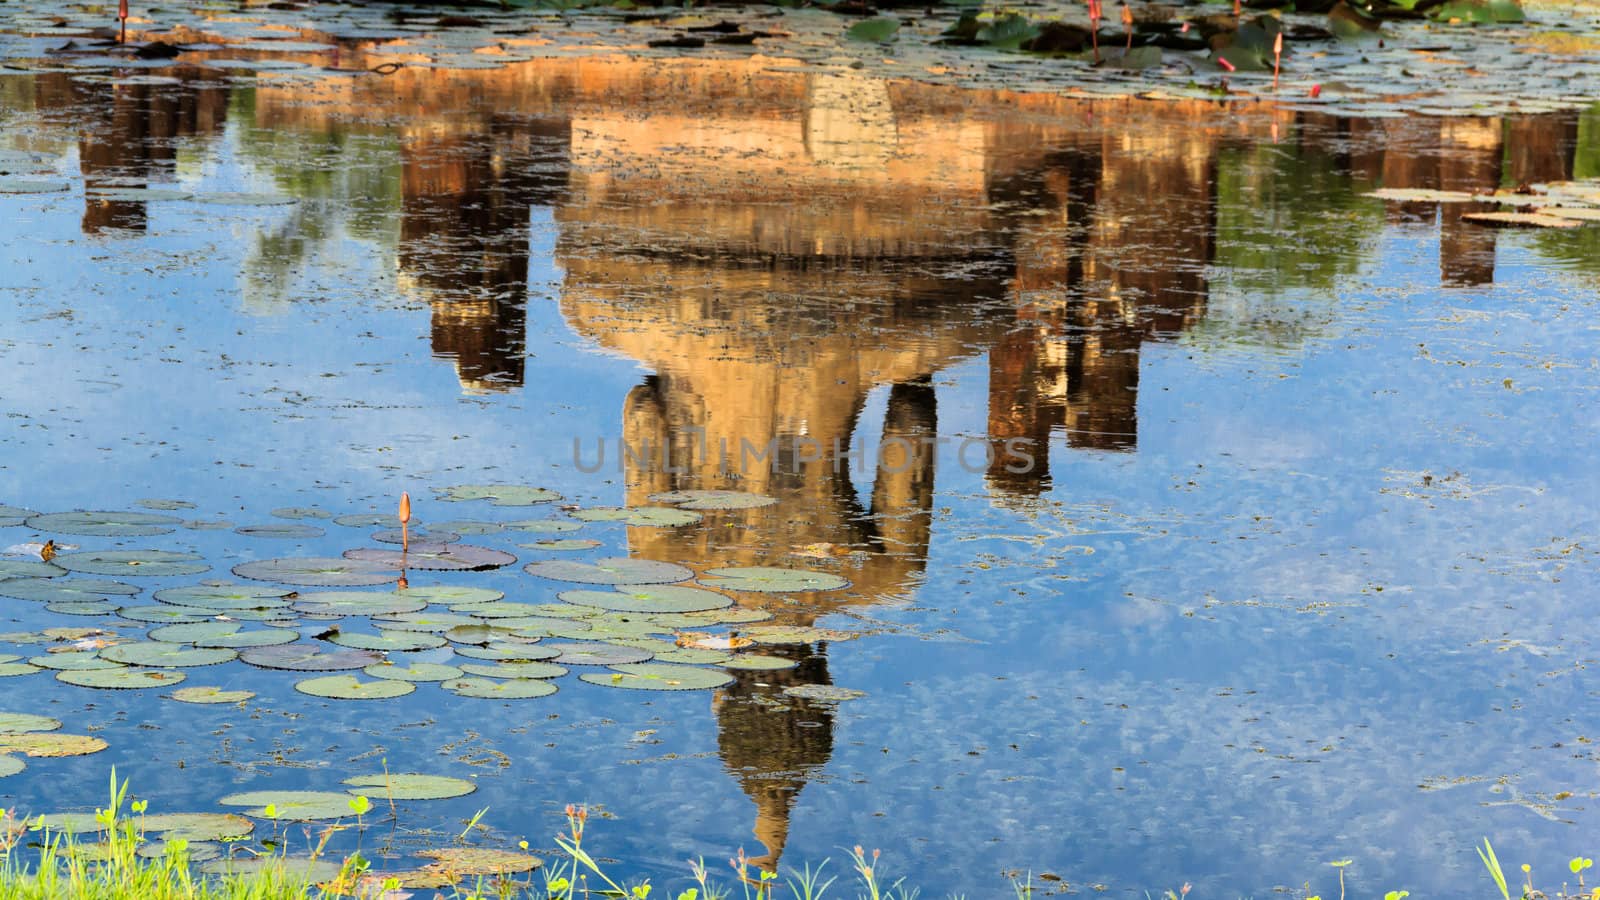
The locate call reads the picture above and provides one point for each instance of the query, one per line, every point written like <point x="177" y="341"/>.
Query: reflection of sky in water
<point x="1175" y="663"/>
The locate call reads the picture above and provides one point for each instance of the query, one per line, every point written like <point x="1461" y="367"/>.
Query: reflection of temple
<point x="781" y="248"/>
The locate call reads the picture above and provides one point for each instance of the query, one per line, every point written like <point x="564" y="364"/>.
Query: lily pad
<point x="1515" y="219"/>
<point x="420" y="671"/>
<point x="563" y="544"/>
<point x="823" y="693"/>
<point x="148" y="563"/>
<point x="292" y="805"/>
<point x="649" y="599"/>
<point x="164" y="655"/>
<point x="301" y="512"/>
<point x="499" y="494"/>
<point x="26" y="723"/>
<point x="417" y="536"/>
<point x="733" y="615"/>
<point x="480" y="634"/>
<point x="86" y="608"/>
<point x="490" y="689"/>
<point x="795" y="634"/>
<point x="771" y="579"/>
<point x="510" y="650"/>
<point x="134" y="194"/>
<point x="308" y="658"/>
<point x="756" y="662"/>
<point x="409" y="786"/>
<point x="499" y="610"/>
<point x="1422" y="195"/>
<point x="514" y="670"/>
<point x="10" y="765"/>
<point x="453" y="596"/>
<point x="435" y="557"/>
<point x="481" y="860"/>
<point x="16" y="515"/>
<point x="12" y="669"/>
<point x="165" y="615"/>
<point x="466" y="526"/>
<point x="65" y="590"/>
<point x="709" y="500"/>
<point x="348" y="687"/>
<point x="209" y="695"/>
<point x="197" y="826"/>
<point x="369" y="520"/>
<point x="289" y="869"/>
<point x="437" y="622"/>
<point x="194" y="850"/>
<point x="225" y="597"/>
<point x="876" y="30"/>
<point x="28" y="568"/>
<point x="643" y="516"/>
<point x="281" y="531"/>
<point x="597" y="654"/>
<point x="317" y="571"/>
<point x="52" y="744"/>
<point x="73" y="661"/>
<point x="659" y="677"/>
<point x="31" y="186"/>
<point x="543" y="526"/>
<point x="121" y="678"/>
<point x="613" y="570"/>
<point x="224" y="634"/>
<point x="360" y="603"/>
<point x="106" y="523"/>
<point x="388" y="641"/>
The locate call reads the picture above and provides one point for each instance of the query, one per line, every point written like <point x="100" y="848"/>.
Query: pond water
<point x="1205" y="518"/>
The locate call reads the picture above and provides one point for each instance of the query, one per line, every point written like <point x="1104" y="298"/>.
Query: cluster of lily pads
<point x="1562" y="204"/>
<point x="635" y="623"/>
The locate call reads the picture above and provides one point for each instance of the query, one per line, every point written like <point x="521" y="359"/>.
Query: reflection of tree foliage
<point x="348" y="183"/>
<point x="1580" y="247"/>
<point x="1290" y="219"/>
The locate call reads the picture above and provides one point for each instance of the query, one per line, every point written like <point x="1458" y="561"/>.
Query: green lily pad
<point x="481" y="861"/>
<point x="733" y="615"/>
<point x="197" y="826"/>
<point x="301" y="512"/>
<point x="416" y="536"/>
<point x="164" y="615"/>
<point x="73" y="661"/>
<point x="650" y="599"/>
<point x="281" y="531"/>
<point x="308" y="658"/>
<point x="469" y="526"/>
<point x="51" y="744"/>
<point x="409" y="786"/>
<point x="452" y="596"/>
<point x="514" y="670"/>
<point x="435" y="557"/>
<point x="643" y="516"/>
<point x="164" y="504"/>
<point x="822" y="693"/>
<point x="510" y="650"/>
<point x="659" y="677"/>
<point x="388" y="641"/>
<point x="693" y="656"/>
<point x="296" y="806"/>
<point x="26" y="723"/>
<point x="87" y="608"/>
<point x="28" y="568"/>
<point x="756" y="662"/>
<point x="134" y="194"/>
<point x="65" y="590"/>
<point x="106" y="523"/>
<point x="563" y="544"/>
<point x="14" y="515"/>
<point x="225" y="597"/>
<point x="10" y="669"/>
<point x="490" y="689"/>
<point x="361" y="603"/>
<point x="241" y="198"/>
<point x="209" y="695"/>
<point x="499" y="494"/>
<point x="499" y="610"/>
<point x="121" y="678"/>
<point x="68" y="823"/>
<point x="149" y="563"/>
<point x="415" y="672"/>
<point x="369" y="520"/>
<point x="348" y="687"/>
<point x="10" y="765"/>
<point x="31" y="186"/>
<point x="613" y="570"/>
<point x="480" y="634"/>
<point x="597" y="654"/>
<point x="876" y="31"/>
<point x="769" y="579"/>
<point x="164" y="655"/>
<point x="317" y="571"/>
<point x="194" y="850"/>
<point x="437" y="622"/>
<point x="287" y="869"/>
<point x="543" y="526"/>
<point x="709" y="500"/>
<point x="224" y="634"/>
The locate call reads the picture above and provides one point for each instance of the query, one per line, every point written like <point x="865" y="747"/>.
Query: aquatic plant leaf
<point x="435" y="557"/>
<point x="613" y="570"/>
<point x="421" y="671"/>
<point x="438" y="622"/>
<point x="308" y="658"/>
<point x="28" y="568"/>
<point x="543" y="526"/>
<point x="733" y="615"/>
<point x="25" y="723"/>
<point x="876" y="30"/>
<point x="1007" y="32"/>
<point x="409" y="786"/>
<point x="10" y="765"/>
<point x="195" y="850"/>
<point x="360" y="603"/>
<point x="281" y="530"/>
<point x="225" y="597"/>
<point x="63" y="823"/>
<point x="348" y="687"/>
<point x="317" y="571"/>
<point x="452" y="596"/>
<point x="11" y="669"/>
<point x="756" y="662"/>
<point x="1478" y="12"/>
<point x="209" y="695"/>
<point x="463" y="526"/>
<point x="501" y="609"/>
<point x="388" y="641"/>
<point x="86" y="608"/>
<point x="301" y="512"/>
<point x="1515" y="219"/>
<point x="1147" y="57"/>
<point x="134" y="194"/>
<point x="659" y="677"/>
<point x="165" y="655"/>
<point x="1423" y="195"/>
<point x="597" y="654"/>
<point x="69" y="590"/>
<point x="10" y="185"/>
<point x="480" y="634"/>
<point x="73" y="661"/>
<point x="510" y="650"/>
<point x="692" y="656"/>
<point x="237" y="198"/>
<point x="770" y="579"/>
<point x="292" y="805"/>
<point x="555" y="544"/>
<point x="795" y="634"/>
<point x="197" y="826"/>
<point x="642" y="516"/>
<point x="709" y="500"/>
<point x="499" y="494"/>
<point x="490" y="689"/>
<point x="528" y="669"/>
<point x="369" y="520"/>
<point x="51" y="744"/>
<point x="481" y="860"/>
<point x="223" y="634"/>
<point x="103" y="523"/>
<point x="416" y="536"/>
<point x="289" y="869"/>
<point x="650" y="599"/>
<point x="148" y="563"/>
<point x="165" y="615"/>
<point x="822" y="693"/>
<point x="121" y="678"/>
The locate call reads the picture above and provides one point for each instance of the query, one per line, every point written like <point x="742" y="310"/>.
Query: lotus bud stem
<point x="122" y="18"/>
<point x="1127" y="23"/>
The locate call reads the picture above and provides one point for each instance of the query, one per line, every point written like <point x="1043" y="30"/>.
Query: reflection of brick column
<point x="1469" y="160"/>
<point x="1020" y="373"/>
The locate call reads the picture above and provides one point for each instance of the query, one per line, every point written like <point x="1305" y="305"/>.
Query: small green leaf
<point x="873" y="30"/>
